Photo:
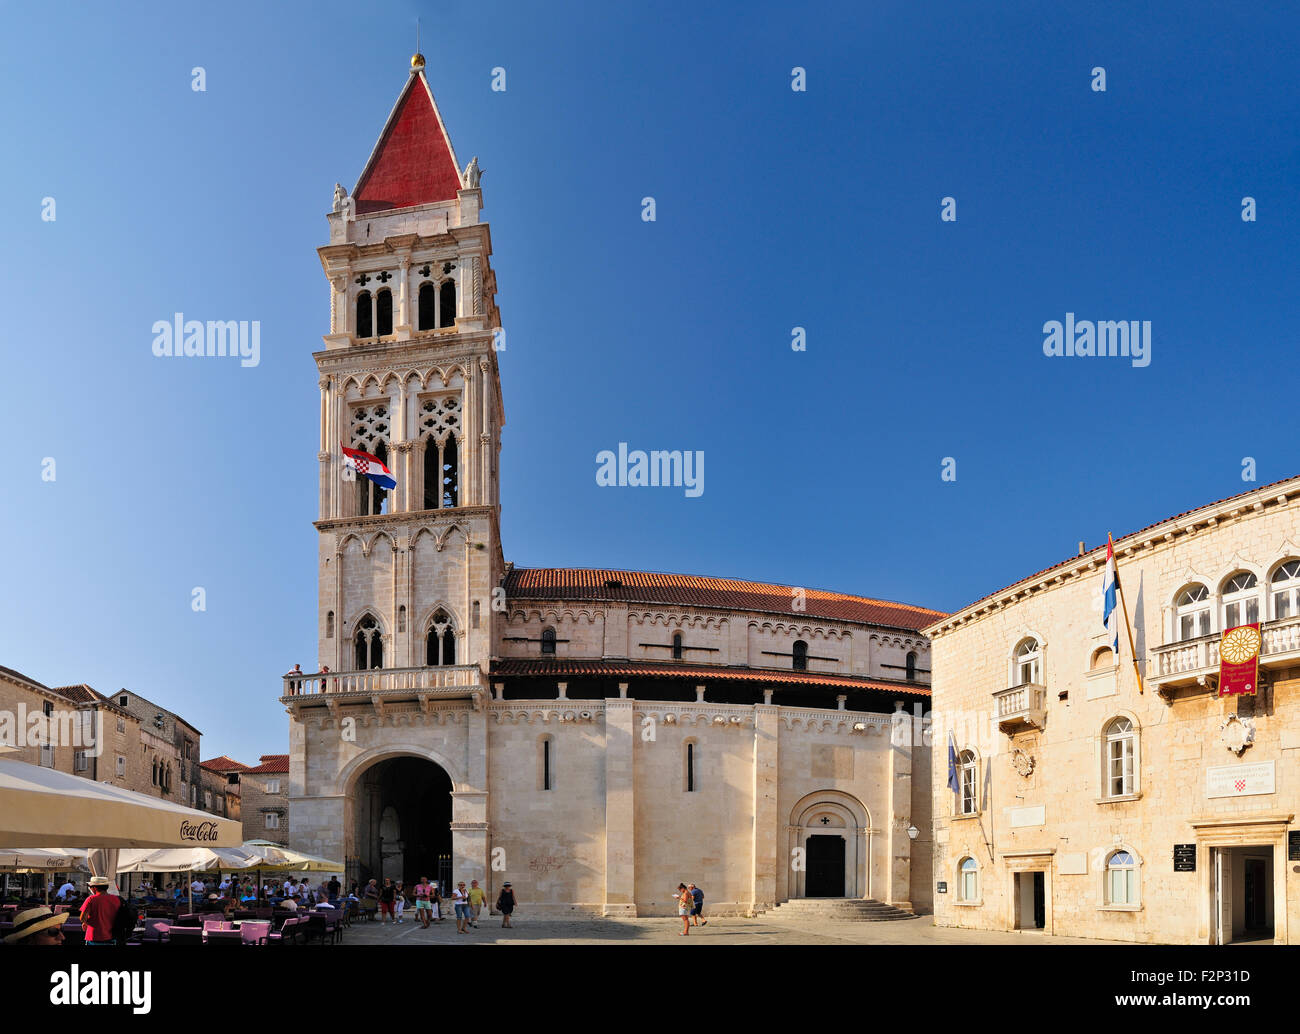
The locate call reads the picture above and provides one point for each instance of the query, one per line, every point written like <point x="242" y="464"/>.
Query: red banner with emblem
<point x="1239" y="660"/>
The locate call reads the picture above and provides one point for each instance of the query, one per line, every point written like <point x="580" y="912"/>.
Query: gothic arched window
<point x="447" y="304"/>
<point x="428" y="307"/>
<point x="450" y="479"/>
<point x="911" y="667"/>
<point x="369" y="643"/>
<point x="800" y="656"/>
<point x="370" y="497"/>
<point x="440" y="641"/>
<point x="329" y="625"/>
<point x="365" y="315"/>
<point x="677" y="646"/>
<point x="384" y="312"/>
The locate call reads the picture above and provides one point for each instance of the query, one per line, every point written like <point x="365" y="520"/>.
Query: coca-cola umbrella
<point x="186" y="859"/>
<point x="40" y="807"/>
<point x="42" y="860"/>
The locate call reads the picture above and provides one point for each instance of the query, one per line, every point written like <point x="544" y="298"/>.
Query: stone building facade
<point x="1088" y="806"/>
<point x="172" y="746"/>
<point x="593" y="736"/>
<point x="264" y="799"/>
<point x="221" y="787"/>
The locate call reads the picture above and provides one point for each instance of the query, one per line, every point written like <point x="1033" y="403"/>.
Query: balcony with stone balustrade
<point x="378" y="686"/>
<point x="1019" y="707"/>
<point x="1196" y="661"/>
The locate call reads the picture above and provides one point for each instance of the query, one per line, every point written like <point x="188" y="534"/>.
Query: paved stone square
<point x="724" y="930"/>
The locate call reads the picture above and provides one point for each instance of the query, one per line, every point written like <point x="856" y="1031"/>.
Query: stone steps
<point x="855" y="910"/>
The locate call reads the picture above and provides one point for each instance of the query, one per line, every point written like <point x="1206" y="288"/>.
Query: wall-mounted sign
<point x="1239" y="660"/>
<point x="1240" y="780"/>
<point x="1293" y="845"/>
<point x="1184" y="857"/>
<point x="943" y="888"/>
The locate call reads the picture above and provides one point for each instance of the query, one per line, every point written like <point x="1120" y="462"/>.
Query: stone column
<point x="336" y="662"/>
<point x="485" y="432"/>
<point x="766" y="849"/>
<point x="898" y="844"/>
<point x="403" y="328"/>
<point x="469" y="493"/>
<point x="620" y="808"/>
<point x="469" y="806"/>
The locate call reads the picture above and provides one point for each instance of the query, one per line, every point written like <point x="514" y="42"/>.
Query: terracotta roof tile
<point x="81" y="694"/>
<point x="19" y="676"/>
<point x="597" y="584"/>
<point x="224" y="764"/>
<point x="271" y="763"/>
<point x="702" y="673"/>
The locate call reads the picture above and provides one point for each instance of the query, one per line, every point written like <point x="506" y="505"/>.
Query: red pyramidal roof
<point x="413" y="163"/>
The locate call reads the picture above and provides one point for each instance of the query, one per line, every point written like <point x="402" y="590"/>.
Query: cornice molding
<point x="1151" y="541"/>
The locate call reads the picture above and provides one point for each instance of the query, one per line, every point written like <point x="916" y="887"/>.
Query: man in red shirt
<point x="99" y="911"/>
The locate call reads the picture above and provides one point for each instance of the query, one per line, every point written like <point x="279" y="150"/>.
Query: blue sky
<point x="775" y="209"/>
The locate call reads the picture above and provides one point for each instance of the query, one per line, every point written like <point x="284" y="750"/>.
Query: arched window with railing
<point x="1192" y="612"/>
<point x="368" y="644"/>
<point x="1240" y="600"/>
<point x="440" y="640"/>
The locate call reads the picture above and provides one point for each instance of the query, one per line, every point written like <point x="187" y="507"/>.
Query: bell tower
<point x="409" y="374"/>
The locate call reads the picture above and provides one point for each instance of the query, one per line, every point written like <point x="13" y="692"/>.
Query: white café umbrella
<point x="42" y="860"/>
<point x="186" y="859"/>
<point x="40" y="807"/>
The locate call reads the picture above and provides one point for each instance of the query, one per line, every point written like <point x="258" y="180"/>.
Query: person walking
<point x="423" y="906"/>
<point x="370" y="899"/>
<point x="684" y="905"/>
<point x="476" y="898"/>
<point x="506" y="903"/>
<point x="435" y="899"/>
<point x="399" y="899"/>
<point x="460" y="900"/>
<point x="387" y="899"/>
<point x="98" y="912"/>
<point x="697" y="905"/>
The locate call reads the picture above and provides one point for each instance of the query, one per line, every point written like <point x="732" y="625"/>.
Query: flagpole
<point x="1119" y="584"/>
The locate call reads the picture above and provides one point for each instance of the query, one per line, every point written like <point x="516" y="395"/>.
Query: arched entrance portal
<point x="830" y="847"/>
<point x="402" y="822"/>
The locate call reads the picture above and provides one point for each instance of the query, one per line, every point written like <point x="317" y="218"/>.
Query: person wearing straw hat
<point x="98" y="912"/>
<point x="36" y="926"/>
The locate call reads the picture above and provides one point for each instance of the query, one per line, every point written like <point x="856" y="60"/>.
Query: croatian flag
<point x="1108" y="589"/>
<point x="371" y="466"/>
<point x="953" y="783"/>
